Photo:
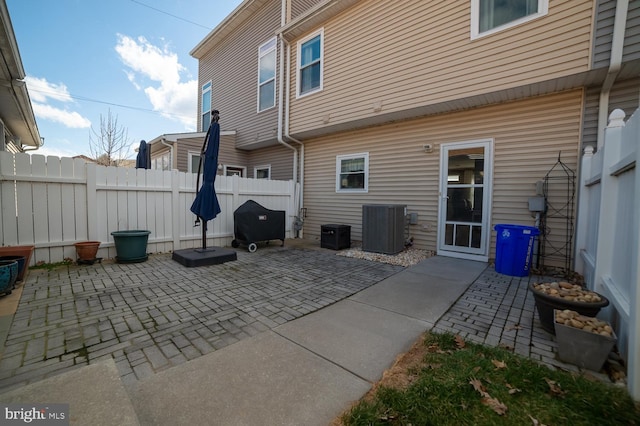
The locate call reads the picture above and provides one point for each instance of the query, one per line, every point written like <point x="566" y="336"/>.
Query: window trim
<point x="339" y="159"/>
<point x="543" y="9"/>
<point x="207" y="87"/>
<point x="241" y="169"/>
<point x="264" y="167"/>
<point x="261" y="55"/>
<point x="311" y="36"/>
<point x="190" y="155"/>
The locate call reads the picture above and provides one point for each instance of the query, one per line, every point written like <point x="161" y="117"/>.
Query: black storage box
<point x="254" y="223"/>
<point x="335" y="237"/>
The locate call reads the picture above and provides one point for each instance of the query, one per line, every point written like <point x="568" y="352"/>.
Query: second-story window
<point x="489" y="16"/>
<point x="206" y="106"/>
<point x="310" y="59"/>
<point x="267" y="75"/>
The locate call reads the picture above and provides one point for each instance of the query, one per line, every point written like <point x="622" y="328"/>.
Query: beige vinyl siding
<point x="403" y="55"/>
<point x="528" y="136"/>
<point x="631" y="48"/>
<point x="298" y="7"/>
<point x="232" y="66"/>
<point x="278" y="157"/>
<point x="227" y="154"/>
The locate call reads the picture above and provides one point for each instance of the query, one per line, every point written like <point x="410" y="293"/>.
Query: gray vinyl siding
<point x="527" y="138"/>
<point x="232" y="66"/>
<point x="624" y="95"/>
<point x="632" y="35"/>
<point x="603" y="33"/>
<point x="298" y="7"/>
<point x="278" y="157"/>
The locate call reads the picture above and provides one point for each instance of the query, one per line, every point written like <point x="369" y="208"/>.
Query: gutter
<point x="615" y="63"/>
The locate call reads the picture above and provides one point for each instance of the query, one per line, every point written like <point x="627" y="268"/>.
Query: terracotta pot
<point x="22" y="251"/>
<point x="87" y="250"/>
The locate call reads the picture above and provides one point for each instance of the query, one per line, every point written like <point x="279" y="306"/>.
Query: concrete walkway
<point x="305" y="369"/>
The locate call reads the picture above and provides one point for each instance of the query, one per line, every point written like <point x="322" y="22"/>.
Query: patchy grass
<point x="51" y="266"/>
<point x="444" y="380"/>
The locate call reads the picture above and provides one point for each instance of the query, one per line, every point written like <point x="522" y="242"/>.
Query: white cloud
<point x="68" y="118"/>
<point x="168" y="94"/>
<point x="42" y="92"/>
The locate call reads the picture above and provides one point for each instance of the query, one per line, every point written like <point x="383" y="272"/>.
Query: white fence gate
<point x="608" y="233"/>
<point x="54" y="202"/>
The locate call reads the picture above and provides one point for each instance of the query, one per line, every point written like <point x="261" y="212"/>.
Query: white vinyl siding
<point x="310" y="64"/>
<point x="267" y="75"/>
<point x="490" y="16"/>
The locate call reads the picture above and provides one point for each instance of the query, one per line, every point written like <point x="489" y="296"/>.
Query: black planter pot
<point x="545" y="305"/>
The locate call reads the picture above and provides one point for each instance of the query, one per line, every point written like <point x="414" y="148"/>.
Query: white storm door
<point x="465" y="199"/>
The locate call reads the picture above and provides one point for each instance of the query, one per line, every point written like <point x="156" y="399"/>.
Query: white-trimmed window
<point x="193" y="162"/>
<point x="262" y="172"/>
<point x="490" y="16"/>
<point x="310" y="64"/>
<point x="205" y="108"/>
<point x="352" y="172"/>
<point x="267" y="75"/>
<point x="235" y="171"/>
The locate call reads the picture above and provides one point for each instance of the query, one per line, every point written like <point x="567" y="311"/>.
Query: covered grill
<point x="254" y="223"/>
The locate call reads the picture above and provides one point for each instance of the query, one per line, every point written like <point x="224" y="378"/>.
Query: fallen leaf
<point x="459" y="341"/>
<point x="512" y="390"/>
<point x="495" y="405"/>
<point x="476" y="369"/>
<point x="514" y="327"/>
<point x="477" y="385"/>
<point x="499" y="364"/>
<point x="554" y="387"/>
<point x="506" y="347"/>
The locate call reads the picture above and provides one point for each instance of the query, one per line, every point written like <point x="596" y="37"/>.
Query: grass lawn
<point x="447" y="381"/>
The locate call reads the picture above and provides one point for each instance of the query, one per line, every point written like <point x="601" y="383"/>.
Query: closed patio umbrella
<point x="206" y="206"/>
<point x="142" y="159"/>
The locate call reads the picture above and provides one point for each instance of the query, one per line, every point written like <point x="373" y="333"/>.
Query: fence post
<point x="634" y="320"/>
<point x="175" y="207"/>
<point x="584" y="214"/>
<point x="92" y="202"/>
<point x="609" y="196"/>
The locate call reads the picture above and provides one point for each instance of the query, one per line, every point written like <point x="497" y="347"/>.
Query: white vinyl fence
<point x="608" y="233"/>
<point x="54" y="202"/>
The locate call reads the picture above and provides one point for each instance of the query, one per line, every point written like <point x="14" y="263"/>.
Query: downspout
<point x="281" y="96"/>
<point x="615" y="63"/>
<point x="163" y="141"/>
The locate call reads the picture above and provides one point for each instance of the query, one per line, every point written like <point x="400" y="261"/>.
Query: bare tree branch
<point x="109" y="145"/>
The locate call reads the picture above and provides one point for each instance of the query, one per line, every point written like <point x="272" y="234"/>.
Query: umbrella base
<point x="204" y="257"/>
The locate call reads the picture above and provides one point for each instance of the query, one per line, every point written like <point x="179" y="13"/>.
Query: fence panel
<point x="609" y="232"/>
<point x="53" y="203"/>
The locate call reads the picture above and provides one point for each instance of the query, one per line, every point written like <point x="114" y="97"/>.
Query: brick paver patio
<point x="153" y="315"/>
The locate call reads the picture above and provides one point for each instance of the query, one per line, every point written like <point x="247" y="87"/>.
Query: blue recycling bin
<point x="514" y="249"/>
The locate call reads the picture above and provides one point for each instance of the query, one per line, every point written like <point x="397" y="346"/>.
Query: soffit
<point x="241" y="13"/>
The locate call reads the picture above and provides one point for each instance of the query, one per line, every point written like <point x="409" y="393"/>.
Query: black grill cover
<point x="253" y="222"/>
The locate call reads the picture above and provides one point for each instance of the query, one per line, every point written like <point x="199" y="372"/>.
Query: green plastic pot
<point x="131" y="246"/>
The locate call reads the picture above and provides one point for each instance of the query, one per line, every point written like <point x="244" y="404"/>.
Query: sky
<point x="85" y="59"/>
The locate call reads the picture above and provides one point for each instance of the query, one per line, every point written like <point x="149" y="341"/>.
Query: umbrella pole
<point x="204" y="234"/>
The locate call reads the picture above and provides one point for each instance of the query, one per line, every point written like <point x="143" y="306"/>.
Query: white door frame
<point x="482" y="253"/>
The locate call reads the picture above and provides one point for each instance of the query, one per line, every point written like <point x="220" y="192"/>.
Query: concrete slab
<point x="94" y="393"/>
<point x="265" y="379"/>
<point x="424" y="291"/>
<point x="361" y="338"/>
